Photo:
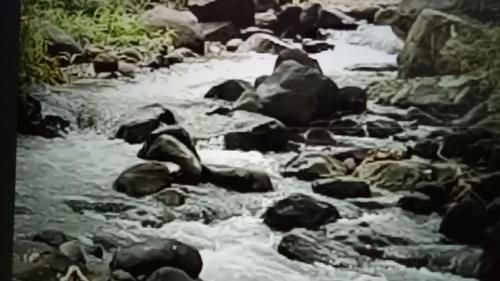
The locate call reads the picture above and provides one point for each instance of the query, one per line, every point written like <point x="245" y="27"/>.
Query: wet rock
<point x="315" y="46"/>
<point x="219" y="31"/>
<point x="435" y="191"/>
<point x="171" y="197"/>
<point x="256" y="132"/>
<point x="319" y="136"/>
<point x="229" y="90"/>
<point x="249" y="101"/>
<point x="342" y="188"/>
<point x="147" y="257"/>
<point x="314" y="165"/>
<point x="80" y="206"/>
<point x="489" y="269"/>
<point x="188" y="31"/>
<point x="167" y="148"/>
<point x="32" y="122"/>
<point x="105" y="62"/>
<point x="127" y="69"/>
<point x="297" y="56"/>
<point x="146" y="120"/>
<point x="417" y="203"/>
<point x="259" y="80"/>
<point x="264" y="43"/>
<point x="175" y="131"/>
<point x="347" y="127"/>
<point x="252" y="30"/>
<point x="120" y="275"/>
<point x="51" y="237"/>
<point x="426" y="148"/>
<point x="487" y="187"/>
<point x="283" y="97"/>
<point x="351" y="100"/>
<point x="461" y="143"/>
<point x="170" y="274"/>
<point x="143" y="179"/>
<point x="266" y="5"/>
<point x="375" y="67"/>
<point x="73" y="251"/>
<point x="383" y="128"/>
<point x="233" y="44"/>
<point x="239" y="12"/>
<point x="391" y="175"/>
<point x="288" y="19"/>
<point x="465" y="222"/>
<point x="59" y="41"/>
<point x="300" y="211"/>
<point x="132" y="55"/>
<point x="421" y="58"/>
<point x="238" y="179"/>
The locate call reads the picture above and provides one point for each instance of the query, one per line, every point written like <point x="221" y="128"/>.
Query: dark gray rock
<point x="312" y="165"/>
<point x="417" y="203"/>
<point x="229" y="90"/>
<point x="59" y="41"/>
<point x="351" y="100"/>
<point x="219" y="31"/>
<point x="169" y="274"/>
<point x="465" y="222"/>
<point x="297" y="56"/>
<point x="315" y="46"/>
<point x="239" y="12"/>
<point x="264" y="43"/>
<point x="143" y="179"/>
<point x="342" y="188"/>
<point x="383" y="128"/>
<point x="51" y="237"/>
<point x="238" y="179"/>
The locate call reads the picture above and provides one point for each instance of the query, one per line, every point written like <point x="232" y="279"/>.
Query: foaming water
<point x="225" y="226"/>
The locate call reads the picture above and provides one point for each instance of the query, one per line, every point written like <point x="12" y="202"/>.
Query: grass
<point x="102" y="22"/>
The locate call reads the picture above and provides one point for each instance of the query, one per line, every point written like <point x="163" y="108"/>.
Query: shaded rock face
<point x="219" y="31"/>
<point x="169" y="149"/>
<point x="352" y="100"/>
<point x="300" y="211"/>
<point x="239" y="12"/>
<point x="314" y="165"/>
<point x="297" y="94"/>
<point x="264" y="43"/>
<point x="257" y="132"/>
<point x="146" y="120"/>
<point x="297" y="56"/>
<point x="148" y="257"/>
<point x="420" y="57"/>
<point x="229" y="90"/>
<point x="143" y="179"/>
<point x="61" y="42"/>
<point x="465" y="222"/>
<point x="170" y="274"/>
<point x="188" y="31"/>
<point x="342" y="188"/>
<point x="238" y="179"/>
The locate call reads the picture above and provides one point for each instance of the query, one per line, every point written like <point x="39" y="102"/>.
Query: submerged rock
<point x="147" y="257"/>
<point x="238" y="179"/>
<point x="342" y="188"/>
<point x="300" y="211"/>
<point x="143" y="179"/>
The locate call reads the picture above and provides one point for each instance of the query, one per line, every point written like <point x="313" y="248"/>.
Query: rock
<point x="143" y="179"/>
<point x="259" y="80"/>
<point x="315" y="46"/>
<point x="435" y="191"/>
<point x="383" y="128"/>
<point x="351" y="100"/>
<point x="489" y="269"/>
<point x="167" y="148"/>
<point x="347" y="127"/>
<point x="375" y="67"/>
<point x="266" y="20"/>
<point x="147" y="257"/>
<point x="133" y="54"/>
<point x="264" y="43"/>
<point x="249" y="101"/>
<point x="420" y="57"/>
<point x="51" y="237"/>
<point x="252" y="30"/>
<point x="342" y="188"/>
<point x="238" y="179"/>
<point x="229" y="90"/>
<point x="126" y="69"/>
<point x="487" y="186"/>
<point x="465" y="222"/>
<point x="300" y="211"/>
<point x="256" y="132"/>
<point x="143" y="122"/>
<point x="59" y="41"/>
<point x="297" y="56"/>
<point x="188" y="31"/>
<point x="283" y="96"/>
<point x="73" y="251"/>
<point x="233" y="44"/>
<point x="105" y="62"/>
<point x="80" y="206"/>
<point x="172" y="130"/>
<point x="493" y="212"/>
<point x="314" y="165"/>
<point x="219" y="31"/>
<point x="171" y="197"/>
<point x="239" y="12"/>
<point x="170" y="274"/>
<point x="120" y="275"/>
<point x="319" y="136"/>
<point x="417" y="203"/>
<point x="266" y="5"/>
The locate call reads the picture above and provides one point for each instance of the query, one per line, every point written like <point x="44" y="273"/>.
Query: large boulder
<point x="264" y="43"/>
<point x="219" y="31"/>
<point x="342" y="188"/>
<point x="167" y="148"/>
<point x="314" y="165"/>
<point x="297" y="56"/>
<point x="175" y="131"/>
<point x="61" y="42"/>
<point x="229" y="90"/>
<point x="432" y="32"/>
<point x="300" y="211"/>
<point x="238" y="179"/>
<point x="147" y="257"/>
<point x="187" y="30"/>
<point x="239" y="12"/>
<point x="465" y="222"/>
<point x="256" y="132"/>
<point x="143" y="179"/>
<point x="296" y="94"/>
<point x="144" y="121"/>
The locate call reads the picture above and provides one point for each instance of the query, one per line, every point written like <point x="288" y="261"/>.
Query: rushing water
<point x="233" y="241"/>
